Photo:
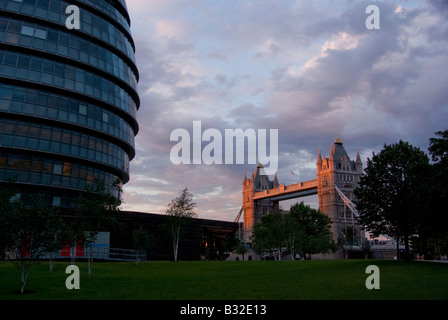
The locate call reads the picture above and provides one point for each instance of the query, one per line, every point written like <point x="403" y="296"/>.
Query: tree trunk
<point x="90" y="261"/>
<point x="437" y="248"/>
<point x="407" y="256"/>
<point x="137" y="257"/>
<point x="176" y="243"/>
<point x="51" y="262"/>
<point x="72" y="254"/>
<point x="23" y="277"/>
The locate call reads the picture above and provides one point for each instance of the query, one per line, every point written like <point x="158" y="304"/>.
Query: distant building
<point x="201" y="239"/>
<point x="68" y="98"/>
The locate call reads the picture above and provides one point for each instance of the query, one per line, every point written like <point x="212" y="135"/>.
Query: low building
<point x="201" y="238"/>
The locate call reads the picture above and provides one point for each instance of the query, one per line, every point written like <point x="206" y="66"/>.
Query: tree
<point x="387" y="198"/>
<point x="141" y="240"/>
<point x="177" y="212"/>
<point x="268" y="235"/>
<point x="240" y="248"/>
<point x="97" y="208"/>
<point x="302" y="229"/>
<point x="345" y="240"/>
<point x="29" y="231"/>
<point x="432" y="237"/>
<point x="314" y="230"/>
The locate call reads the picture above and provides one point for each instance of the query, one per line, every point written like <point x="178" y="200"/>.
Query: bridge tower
<point x="255" y="209"/>
<point x="338" y="170"/>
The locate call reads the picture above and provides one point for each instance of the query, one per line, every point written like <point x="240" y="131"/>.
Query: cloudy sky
<point x="310" y="69"/>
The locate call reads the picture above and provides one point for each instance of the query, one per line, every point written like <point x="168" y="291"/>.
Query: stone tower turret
<point x="338" y="170"/>
<point x="254" y="210"/>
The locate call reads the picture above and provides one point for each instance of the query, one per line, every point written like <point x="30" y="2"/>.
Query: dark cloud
<point x="309" y="69"/>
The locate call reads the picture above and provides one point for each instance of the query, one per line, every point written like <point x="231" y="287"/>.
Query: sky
<point x="311" y="70"/>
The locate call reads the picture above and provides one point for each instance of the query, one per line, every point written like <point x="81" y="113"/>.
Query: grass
<point x="228" y="280"/>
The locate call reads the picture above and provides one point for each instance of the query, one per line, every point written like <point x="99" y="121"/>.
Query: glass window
<point x="14" y="26"/>
<point x="82" y="109"/>
<point x="3" y="161"/>
<point x="67" y="171"/>
<point x="63" y="39"/>
<point x="24" y="62"/>
<point x="66" y="137"/>
<point x="56" y="136"/>
<point x="52" y="35"/>
<point x="40" y="33"/>
<point x="3" y="24"/>
<point x="25" y="165"/>
<point x="27" y="31"/>
<point x="57" y="168"/>
<point x="36" y="166"/>
<point x="44" y="145"/>
<point x="9" y="128"/>
<point x="45" y="133"/>
<point x="48" y="67"/>
<point x="10" y="59"/>
<point x="22" y="131"/>
<point x="36" y="64"/>
<point x="43" y="3"/>
<point x="33" y="143"/>
<point x="56" y="202"/>
<point x="14" y="163"/>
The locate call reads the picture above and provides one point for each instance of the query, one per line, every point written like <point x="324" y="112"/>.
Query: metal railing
<point x="103" y="253"/>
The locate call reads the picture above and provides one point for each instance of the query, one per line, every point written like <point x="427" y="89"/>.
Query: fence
<point x="102" y="253"/>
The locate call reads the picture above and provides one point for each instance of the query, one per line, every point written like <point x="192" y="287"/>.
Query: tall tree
<point x="97" y="209"/>
<point x="314" y="229"/>
<point x="294" y="233"/>
<point x="141" y="241"/>
<point x="302" y="229"/>
<point x="433" y="228"/>
<point x="386" y="197"/>
<point x="268" y="234"/>
<point x="178" y="212"/>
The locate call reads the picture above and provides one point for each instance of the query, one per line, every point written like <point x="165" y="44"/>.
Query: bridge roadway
<point x="301" y="189"/>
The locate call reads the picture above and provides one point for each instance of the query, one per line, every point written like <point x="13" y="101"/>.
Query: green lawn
<point x="247" y="280"/>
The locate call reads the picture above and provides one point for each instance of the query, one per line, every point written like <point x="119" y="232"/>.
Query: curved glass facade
<point x="68" y="97"/>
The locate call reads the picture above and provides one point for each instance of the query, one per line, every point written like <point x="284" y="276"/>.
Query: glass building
<point x="68" y="97"/>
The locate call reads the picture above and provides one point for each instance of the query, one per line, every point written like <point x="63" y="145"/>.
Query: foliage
<point x="177" y="212"/>
<point x="29" y="232"/>
<point x="97" y="209"/>
<point x="432" y="236"/>
<point x="388" y="198"/>
<point x="141" y="240"/>
<point x="268" y="235"/>
<point x="302" y="229"/>
<point x="233" y="244"/>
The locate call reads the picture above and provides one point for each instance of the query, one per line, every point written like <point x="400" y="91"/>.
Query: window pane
<point x="39" y="33"/>
<point x="57" y="168"/>
<point x="28" y="31"/>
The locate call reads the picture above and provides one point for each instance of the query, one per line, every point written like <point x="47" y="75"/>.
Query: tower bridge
<point x="337" y="178"/>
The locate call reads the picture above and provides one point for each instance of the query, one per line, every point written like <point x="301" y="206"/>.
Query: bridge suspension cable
<point x="239" y="215"/>
<point x="347" y="201"/>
